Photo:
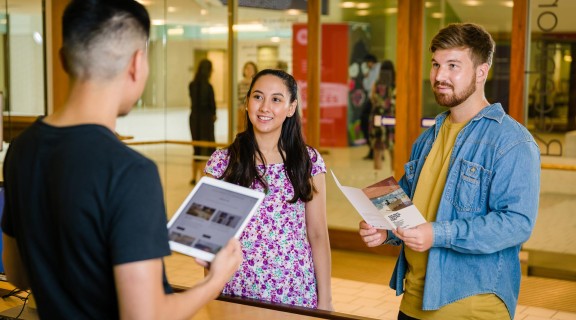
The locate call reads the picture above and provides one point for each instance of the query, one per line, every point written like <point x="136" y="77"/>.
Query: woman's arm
<point x="317" y="230"/>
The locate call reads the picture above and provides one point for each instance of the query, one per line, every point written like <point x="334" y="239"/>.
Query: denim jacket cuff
<point x="442" y="234"/>
<point x="392" y="240"/>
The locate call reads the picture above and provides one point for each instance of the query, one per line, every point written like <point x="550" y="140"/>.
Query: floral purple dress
<point x="277" y="264"/>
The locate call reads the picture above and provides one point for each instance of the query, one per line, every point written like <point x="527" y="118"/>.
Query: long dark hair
<point x="204" y="71"/>
<point x="244" y="151"/>
<point x="387" y="75"/>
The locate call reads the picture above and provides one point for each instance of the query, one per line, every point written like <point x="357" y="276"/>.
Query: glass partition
<point x="551" y="117"/>
<point x="496" y="17"/>
<point x="22" y="79"/>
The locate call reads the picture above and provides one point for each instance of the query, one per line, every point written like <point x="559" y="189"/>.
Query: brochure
<point x="383" y="205"/>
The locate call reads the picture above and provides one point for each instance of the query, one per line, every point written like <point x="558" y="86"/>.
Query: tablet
<point x="213" y="213"/>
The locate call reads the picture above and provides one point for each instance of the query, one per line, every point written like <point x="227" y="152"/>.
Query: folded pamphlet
<point x="383" y="205"/>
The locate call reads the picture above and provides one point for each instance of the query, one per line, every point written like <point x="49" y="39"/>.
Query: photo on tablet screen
<point x="200" y="211"/>
<point x="180" y="238"/>
<point x="207" y="246"/>
<point x="211" y="214"/>
<point x="227" y="219"/>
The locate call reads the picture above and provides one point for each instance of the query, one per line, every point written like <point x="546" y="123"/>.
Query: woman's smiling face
<point x="269" y="104"/>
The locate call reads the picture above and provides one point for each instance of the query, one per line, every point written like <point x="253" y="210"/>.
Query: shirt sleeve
<point x="217" y="163"/>
<point x="137" y="225"/>
<point x="318" y="164"/>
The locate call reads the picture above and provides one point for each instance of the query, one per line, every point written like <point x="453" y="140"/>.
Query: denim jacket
<point x="487" y="210"/>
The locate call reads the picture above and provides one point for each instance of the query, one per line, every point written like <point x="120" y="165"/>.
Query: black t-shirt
<point x="78" y="202"/>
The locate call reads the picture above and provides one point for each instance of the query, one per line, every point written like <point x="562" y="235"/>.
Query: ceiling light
<point x="176" y="31"/>
<point x="347" y="4"/>
<point x="362" y="5"/>
<point x="38" y="39"/>
<point x="157" y="22"/>
<point x="203" y="12"/>
<point x="293" y="12"/>
<point x="428" y="4"/>
<point x="275" y="39"/>
<point x="391" y="10"/>
<point x="509" y="4"/>
<point x="172" y="9"/>
<point x="472" y="3"/>
<point x="238" y="27"/>
<point x="253" y="27"/>
<point x="437" y="15"/>
<point x="362" y="12"/>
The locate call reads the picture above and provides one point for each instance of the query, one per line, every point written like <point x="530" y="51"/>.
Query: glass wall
<point x="22" y="63"/>
<point x="496" y="17"/>
<point x="551" y="115"/>
<point x="551" y="107"/>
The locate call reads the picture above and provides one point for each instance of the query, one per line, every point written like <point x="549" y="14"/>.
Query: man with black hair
<point x="84" y="222"/>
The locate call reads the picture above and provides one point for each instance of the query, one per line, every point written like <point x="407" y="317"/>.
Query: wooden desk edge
<point x="322" y="314"/>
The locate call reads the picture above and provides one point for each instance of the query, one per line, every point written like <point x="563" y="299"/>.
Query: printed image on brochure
<point x="383" y="205"/>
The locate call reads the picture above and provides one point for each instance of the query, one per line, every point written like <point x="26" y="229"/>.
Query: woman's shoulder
<point x="219" y="154"/>
<point x="318" y="165"/>
<point x="217" y="163"/>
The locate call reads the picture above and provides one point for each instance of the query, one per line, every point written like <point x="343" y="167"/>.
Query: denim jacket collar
<point x="493" y="111"/>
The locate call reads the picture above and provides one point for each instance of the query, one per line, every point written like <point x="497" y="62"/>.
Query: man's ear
<point x="137" y="66"/>
<point x="482" y="72"/>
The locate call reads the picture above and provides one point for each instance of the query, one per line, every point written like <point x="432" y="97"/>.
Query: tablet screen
<point x="213" y="212"/>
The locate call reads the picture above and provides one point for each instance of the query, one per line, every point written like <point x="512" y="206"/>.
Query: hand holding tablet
<point x="213" y="212"/>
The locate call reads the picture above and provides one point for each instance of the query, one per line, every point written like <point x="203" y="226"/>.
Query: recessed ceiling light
<point x="275" y="39"/>
<point x="391" y="10"/>
<point x="347" y="4"/>
<point x="437" y="15"/>
<point x="178" y="31"/>
<point x="362" y="5"/>
<point x="362" y="12"/>
<point x="509" y="4"/>
<point x="472" y="3"/>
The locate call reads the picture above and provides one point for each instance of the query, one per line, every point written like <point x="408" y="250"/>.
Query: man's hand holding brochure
<point x="384" y="205"/>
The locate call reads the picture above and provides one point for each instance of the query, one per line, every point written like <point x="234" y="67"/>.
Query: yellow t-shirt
<point x="427" y="198"/>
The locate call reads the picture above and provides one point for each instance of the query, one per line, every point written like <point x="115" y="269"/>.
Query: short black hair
<point x="82" y="17"/>
<point x="90" y="25"/>
<point x="370" y="58"/>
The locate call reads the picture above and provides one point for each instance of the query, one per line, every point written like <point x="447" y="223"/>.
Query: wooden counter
<point x="222" y="309"/>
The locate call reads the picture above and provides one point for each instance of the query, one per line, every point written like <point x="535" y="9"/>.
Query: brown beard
<point x="454" y="99"/>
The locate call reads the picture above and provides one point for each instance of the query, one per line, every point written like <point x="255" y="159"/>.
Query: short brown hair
<point x="466" y="35"/>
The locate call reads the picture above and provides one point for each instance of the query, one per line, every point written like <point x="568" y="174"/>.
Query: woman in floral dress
<point x="285" y="245"/>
